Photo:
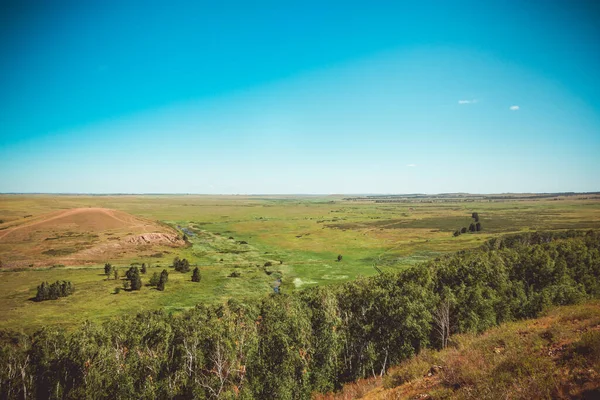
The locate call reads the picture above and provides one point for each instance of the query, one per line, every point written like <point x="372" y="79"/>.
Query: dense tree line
<point x="288" y="346"/>
<point x="54" y="290"/>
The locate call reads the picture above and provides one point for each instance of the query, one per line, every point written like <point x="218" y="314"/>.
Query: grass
<point x="554" y="356"/>
<point x="300" y="236"/>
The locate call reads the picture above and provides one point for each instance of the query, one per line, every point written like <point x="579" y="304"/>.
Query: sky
<point x="308" y="97"/>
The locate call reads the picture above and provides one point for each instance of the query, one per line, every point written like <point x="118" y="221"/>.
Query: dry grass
<point x="555" y="356"/>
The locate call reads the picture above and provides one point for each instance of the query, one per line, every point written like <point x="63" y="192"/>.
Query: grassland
<point x="299" y="236"/>
<point x="554" y="356"/>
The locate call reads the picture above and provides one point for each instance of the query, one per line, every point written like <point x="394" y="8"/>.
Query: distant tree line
<point x="54" y="290"/>
<point x="292" y="345"/>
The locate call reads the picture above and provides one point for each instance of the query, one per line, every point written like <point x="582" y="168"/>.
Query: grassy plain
<point x="299" y="236"/>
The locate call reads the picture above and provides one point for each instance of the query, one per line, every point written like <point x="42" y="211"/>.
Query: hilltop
<point x="80" y="236"/>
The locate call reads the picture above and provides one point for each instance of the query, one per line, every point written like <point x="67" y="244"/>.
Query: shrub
<point x="235" y="274"/>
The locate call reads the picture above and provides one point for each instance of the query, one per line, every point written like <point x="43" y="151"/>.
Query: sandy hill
<point x="80" y="236"/>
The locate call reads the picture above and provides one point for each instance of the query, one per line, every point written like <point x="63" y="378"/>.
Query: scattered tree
<point x="164" y="275"/>
<point x="116" y="273"/>
<point x="456" y="233"/>
<point x="154" y="279"/>
<point x="181" y="265"/>
<point x="475" y="216"/>
<point x="339" y="257"/>
<point x="478" y="226"/>
<point x="161" y="283"/>
<point x="107" y="269"/>
<point x="463" y="230"/>
<point x="472" y="227"/>
<point x="143" y="269"/>
<point x="133" y="275"/>
<point x="196" y="275"/>
<point x="54" y="290"/>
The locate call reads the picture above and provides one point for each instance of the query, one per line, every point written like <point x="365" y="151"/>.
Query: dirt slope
<point x="80" y="236"/>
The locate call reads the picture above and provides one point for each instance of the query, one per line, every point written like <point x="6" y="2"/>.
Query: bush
<point x="235" y="274"/>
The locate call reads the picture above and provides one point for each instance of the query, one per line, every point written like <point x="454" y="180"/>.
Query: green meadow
<point x="265" y="239"/>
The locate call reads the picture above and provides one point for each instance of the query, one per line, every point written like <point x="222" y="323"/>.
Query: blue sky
<point x="300" y="97"/>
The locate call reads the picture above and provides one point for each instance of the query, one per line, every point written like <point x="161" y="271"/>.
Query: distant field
<point x="300" y="237"/>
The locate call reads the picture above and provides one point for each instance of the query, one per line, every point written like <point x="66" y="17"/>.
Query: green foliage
<point x="181" y="265"/>
<point x="288" y="346"/>
<point x="107" y="269"/>
<point x="143" y="270"/>
<point x="154" y="279"/>
<point x="54" y="290"/>
<point x="135" y="280"/>
<point x="196" y="275"/>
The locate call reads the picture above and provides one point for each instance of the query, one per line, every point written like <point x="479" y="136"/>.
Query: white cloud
<point x="411" y="165"/>
<point x="514" y="108"/>
<point x="468" y="101"/>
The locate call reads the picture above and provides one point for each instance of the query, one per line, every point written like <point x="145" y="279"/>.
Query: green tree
<point x="196" y="275"/>
<point x="181" y="265"/>
<point x="164" y="275"/>
<point x="472" y="227"/>
<point x="161" y="283"/>
<point x="154" y="279"/>
<point x="107" y="269"/>
<point x="143" y="269"/>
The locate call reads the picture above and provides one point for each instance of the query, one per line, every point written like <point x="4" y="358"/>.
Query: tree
<point x="133" y="275"/>
<point x="181" y="265"/>
<point x="162" y="281"/>
<point x="472" y="227"/>
<point x="164" y="275"/>
<point x="54" y="290"/>
<point x="441" y="319"/>
<point x="43" y="292"/>
<point x="154" y="279"/>
<point x="116" y="273"/>
<point x="463" y="230"/>
<point x="456" y="233"/>
<point x="478" y="226"/>
<point x="143" y="270"/>
<point x="475" y="216"/>
<point x="339" y="257"/>
<point x="196" y="275"/>
<point x="107" y="269"/>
